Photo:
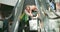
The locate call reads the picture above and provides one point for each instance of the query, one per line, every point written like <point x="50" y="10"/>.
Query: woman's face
<point x="28" y="8"/>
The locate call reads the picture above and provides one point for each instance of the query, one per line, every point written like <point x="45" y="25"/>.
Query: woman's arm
<point x="29" y="14"/>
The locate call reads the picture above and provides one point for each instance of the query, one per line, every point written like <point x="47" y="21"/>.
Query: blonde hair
<point x="27" y="6"/>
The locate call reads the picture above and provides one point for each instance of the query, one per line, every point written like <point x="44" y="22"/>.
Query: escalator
<point x="16" y="27"/>
<point x="13" y="14"/>
<point x="20" y="7"/>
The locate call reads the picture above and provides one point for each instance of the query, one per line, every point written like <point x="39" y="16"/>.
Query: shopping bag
<point x="33" y="24"/>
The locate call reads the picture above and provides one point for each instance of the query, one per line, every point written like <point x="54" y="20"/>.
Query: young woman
<point x="32" y="13"/>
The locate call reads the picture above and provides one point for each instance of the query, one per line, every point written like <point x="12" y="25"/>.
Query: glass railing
<point x="18" y="11"/>
<point x="42" y="17"/>
<point x="51" y="23"/>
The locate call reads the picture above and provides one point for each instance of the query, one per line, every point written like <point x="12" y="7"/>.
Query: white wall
<point x="9" y="2"/>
